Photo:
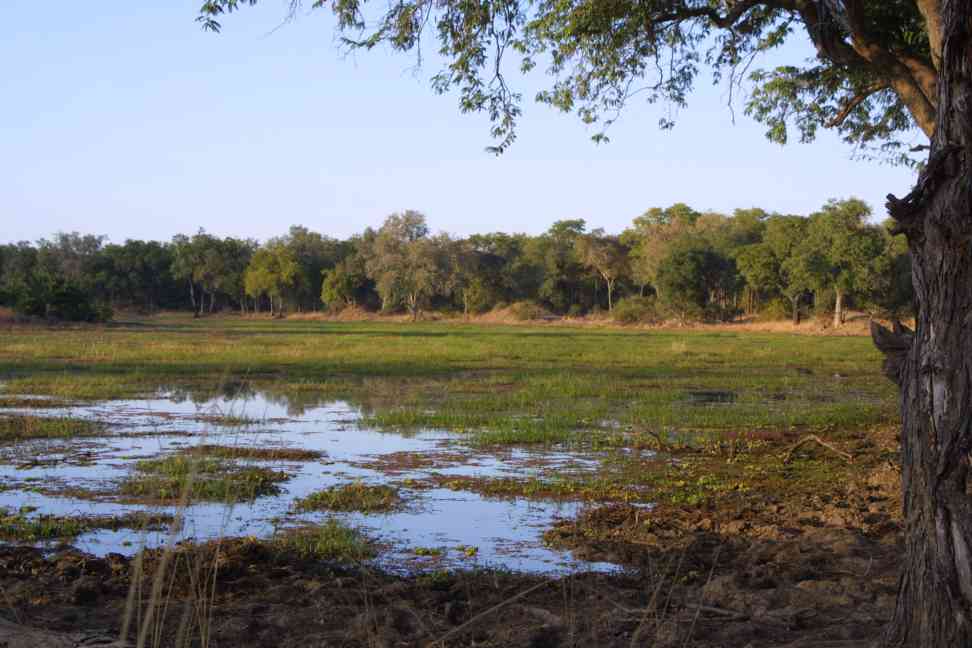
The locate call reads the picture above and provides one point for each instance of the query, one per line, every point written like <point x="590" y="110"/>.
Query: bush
<point x="717" y="313"/>
<point x="824" y="303"/>
<point x="777" y="310"/>
<point x="525" y="311"/>
<point x="636" y="310"/>
<point x="71" y="304"/>
<point x="65" y="302"/>
<point x="30" y="305"/>
<point x="575" y="310"/>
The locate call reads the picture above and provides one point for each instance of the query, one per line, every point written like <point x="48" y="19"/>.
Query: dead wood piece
<point x="14" y="635"/>
<point x="465" y="626"/>
<point x="548" y="618"/>
<point x="813" y="438"/>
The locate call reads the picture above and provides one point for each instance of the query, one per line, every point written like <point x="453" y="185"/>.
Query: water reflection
<point x="506" y="533"/>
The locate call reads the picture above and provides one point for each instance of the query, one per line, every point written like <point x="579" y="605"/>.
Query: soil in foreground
<point x="808" y="571"/>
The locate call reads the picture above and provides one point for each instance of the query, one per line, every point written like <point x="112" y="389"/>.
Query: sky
<point x="125" y="119"/>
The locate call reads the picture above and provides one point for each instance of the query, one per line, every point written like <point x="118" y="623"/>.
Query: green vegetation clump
<point x="210" y="479"/>
<point x="329" y="541"/>
<point x="19" y="526"/>
<point x="19" y="428"/>
<point x="244" y="452"/>
<point x="637" y="310"/>
<point x="523" y="311"/>
<point x="360" y="497"/>
<point x="20" y="402"/>
<point x="23" y="527"/>
<point x="774" y="311"/>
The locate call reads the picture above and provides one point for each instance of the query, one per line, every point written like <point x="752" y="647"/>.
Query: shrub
<point x="825" y="300"/>
<point x="636" y="310"/>
<point x="776" y="310"/>
<point x="575" y="310"/>
<point x="717" y="313"/>
<point x="65" y="302"/>
<point x="525" y="311"/>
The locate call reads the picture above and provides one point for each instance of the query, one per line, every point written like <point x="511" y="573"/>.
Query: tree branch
<point x="813" y="438"/>
<point x="924" y="75"/>
<point x="911" y="79"/>
<point x="931" y="10"/>
<point x="828" y="22"/>
<point x="736" y="11"/>
<point x="856" y="101"/>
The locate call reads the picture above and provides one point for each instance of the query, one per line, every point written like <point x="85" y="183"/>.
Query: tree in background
<point x="681" y="281"/>
<point x="461" y="272"/>
<point x="17" y="262"/>
<point x="272" y="272"/>
<point x="136" y="273"/>
<point x="784" y="235"/>
<point x="506" y="273"/>
<point x="315" y="254"/>
<point x="891" y="294"/>
<point x="761" y="270"/>
<point x="72" y="257"/>
<point x="347" y="283"/>
<point x="605" y="254"/>
<point x="341" y="284"/>
<point x="841" y="250"/>
<point x="651" y="236"/>
<point x="187" y="261"/>
<point x="234" y="258"/>
<point x="405" y="263"/>
<point x="555" y="257"/>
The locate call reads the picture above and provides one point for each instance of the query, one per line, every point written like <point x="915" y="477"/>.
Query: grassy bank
<point x="503" y="385"/>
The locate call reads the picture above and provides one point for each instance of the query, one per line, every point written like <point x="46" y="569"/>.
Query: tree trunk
<point x="838" y="308"/>
<point x="610" y="287"/>
<point x="192" y="298"/>
<point x="796" y="310"/>
<point x="412" y="301"/>
<point x="933" y="367"/>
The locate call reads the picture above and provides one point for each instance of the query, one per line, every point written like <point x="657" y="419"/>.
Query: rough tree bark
<point x="933" y="366"/>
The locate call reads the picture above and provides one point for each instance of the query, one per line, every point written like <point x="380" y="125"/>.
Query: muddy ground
<point x="816" y="569"/>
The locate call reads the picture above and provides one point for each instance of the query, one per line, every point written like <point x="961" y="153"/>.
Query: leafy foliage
<point x="601" y="55"/>
<point x="730" y="263"/>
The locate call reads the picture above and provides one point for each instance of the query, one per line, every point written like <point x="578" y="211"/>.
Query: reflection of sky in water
<point x="506" y="533"/>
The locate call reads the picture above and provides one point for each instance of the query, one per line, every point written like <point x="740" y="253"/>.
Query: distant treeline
<point x="670" y="263"/>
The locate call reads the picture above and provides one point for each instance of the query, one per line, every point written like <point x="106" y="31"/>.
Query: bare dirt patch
<point x="396" y="463"/>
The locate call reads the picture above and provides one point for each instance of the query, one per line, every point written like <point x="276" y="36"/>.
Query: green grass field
<point x="721" y="408"/>
<point x="501" y="384"/>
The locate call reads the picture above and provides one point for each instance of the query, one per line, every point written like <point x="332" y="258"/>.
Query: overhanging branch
<point x="854" y="102"/>
<point x="723" y="21"/>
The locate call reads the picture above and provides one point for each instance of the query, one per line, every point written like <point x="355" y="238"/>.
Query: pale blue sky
<point x="123" y="118"/>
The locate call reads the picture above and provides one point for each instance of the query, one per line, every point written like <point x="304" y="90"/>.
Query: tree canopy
<point x="873" y="79"/>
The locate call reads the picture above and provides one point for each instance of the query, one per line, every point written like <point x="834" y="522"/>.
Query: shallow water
<point x="507" y="533"/>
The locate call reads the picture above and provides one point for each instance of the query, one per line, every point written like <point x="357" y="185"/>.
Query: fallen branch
<point x="813" y="438"/>
<point x="440" y="641"/>
<point x="14" y="635"/>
